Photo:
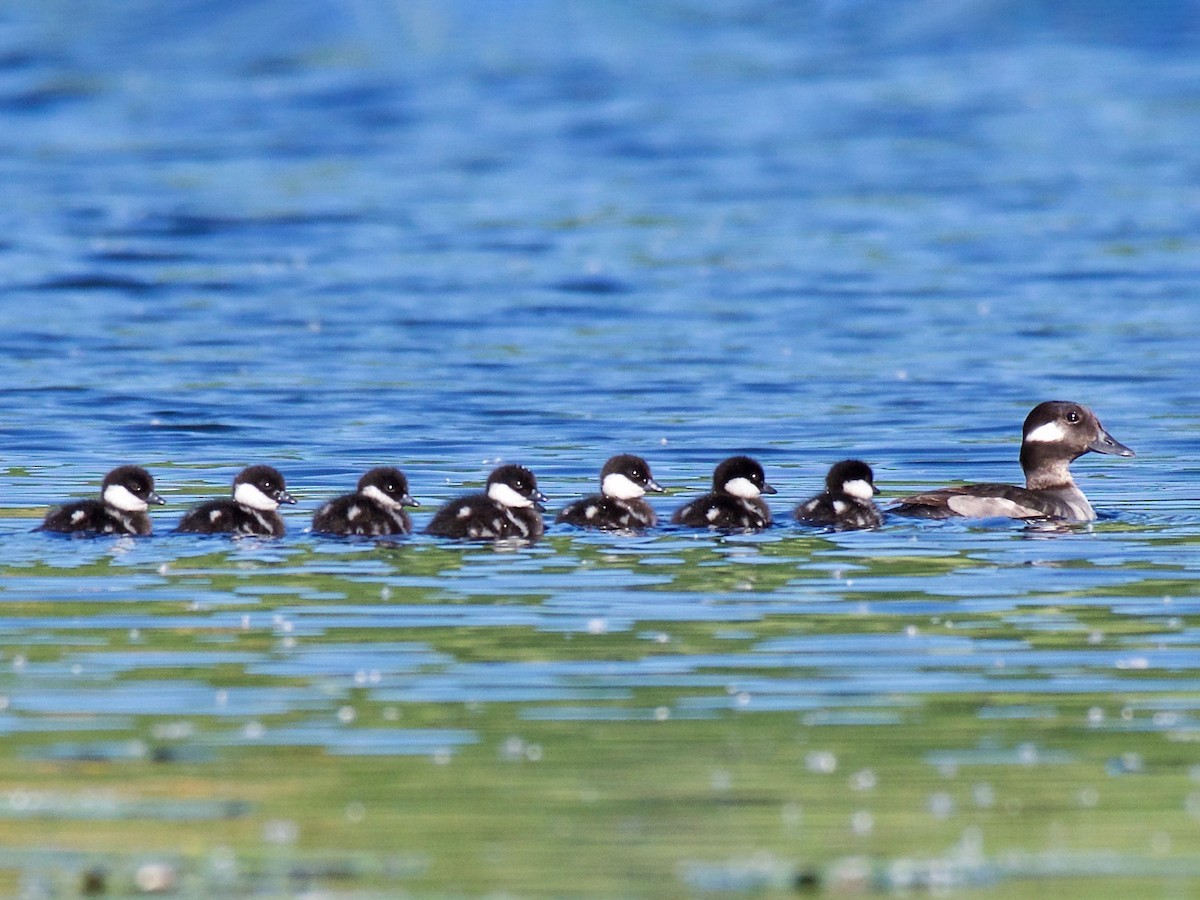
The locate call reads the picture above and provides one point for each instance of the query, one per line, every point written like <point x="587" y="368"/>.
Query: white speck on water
<point x="1089" y="797"/>
<point x="280" y="832"/>
<point x="662" y="713"/>
<point x="597" y="625"/>
<point x="1191" y="804"/>
<point x="254" y="731"/>
<point x="822" y="761"/>
<point x="355" y="812"/>
<point x="984" y="795"/>
<point x="1095" y="716"/>
<point x="862" y="823"/>
<point x="941" y="805"/>
<point x="863" y="780"/>
<point x="155" y="878"/>
<point x="346" y="714"/>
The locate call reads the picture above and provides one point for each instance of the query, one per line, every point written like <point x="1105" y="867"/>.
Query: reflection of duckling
<point x="509" y="508"/>
<point x="846" y="501"/>
<point x="126" y="493"/>
<point x="624" y="480"/>
<point x="376" y="508"/>
<point x="257" y="493"/>
<point x="735" y="500"/>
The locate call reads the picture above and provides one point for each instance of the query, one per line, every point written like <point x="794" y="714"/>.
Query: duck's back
<point x="93" y="516"/>
<point x="228" y="517"/>
<point x="599" y="511"/>
<point x="354" y="514"/>
<point x="998" y="500"/>
<point x="717" y="510"/>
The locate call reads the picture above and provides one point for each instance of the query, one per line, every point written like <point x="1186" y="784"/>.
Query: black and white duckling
<point x="847" y="501"/>
<point x="125" y="495"/>
<point x="1055" y="433"/>
<point x="257" y="493"/>
<point x="376" y="508"/>
<point x="735" y="501"/>
<point x="511" y="507"/>
<point x="624" y="480"/>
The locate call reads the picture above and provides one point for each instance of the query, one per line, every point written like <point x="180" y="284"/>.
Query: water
<point x="439" y="235"/>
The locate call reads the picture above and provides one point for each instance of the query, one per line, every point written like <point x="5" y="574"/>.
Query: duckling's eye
<point x="1073" y="417"/>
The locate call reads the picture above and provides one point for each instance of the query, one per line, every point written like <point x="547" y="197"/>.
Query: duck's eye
<point x="1073" y="417"/>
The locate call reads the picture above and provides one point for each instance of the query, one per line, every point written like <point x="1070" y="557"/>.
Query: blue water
<point x="439" y="235"/>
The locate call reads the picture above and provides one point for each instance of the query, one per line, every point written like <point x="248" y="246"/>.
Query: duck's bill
<point x="1106" y="443"/>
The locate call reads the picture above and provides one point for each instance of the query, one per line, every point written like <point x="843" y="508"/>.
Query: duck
<point x="624" y="481"/>
<point x="847" y="501"/>
<point x="258" y="492"/>
<point x="125" y="494"/>
<point x="1055" y="434"/>
<point x="510" y="507"/>
<point x="735" y="501"/>
<point x="376" y="507"/>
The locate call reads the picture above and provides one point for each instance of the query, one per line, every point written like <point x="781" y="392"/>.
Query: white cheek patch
<point x="742" y="487"/>
<point x="1049" y="433"/>
<point x="119" y="496"/>
<point x="506" y="496"/>
<point x="859" y="489"/>
<point x="621" y="487"/>
<point x="246" y="494"/>
<point x="374" y="493"/>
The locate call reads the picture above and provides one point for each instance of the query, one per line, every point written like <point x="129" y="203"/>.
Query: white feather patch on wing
<point x="743" y="487"/>
<point x="858" y="488"/>
<point x="246" y="494"/>
<point x="622" y="487"/>
<point x="987" y="507"/>
<point x="506" y="496"/>
<point x="119" y="496"/>
<point x="1049" y="433"/>
<point x="373" y="493"/>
